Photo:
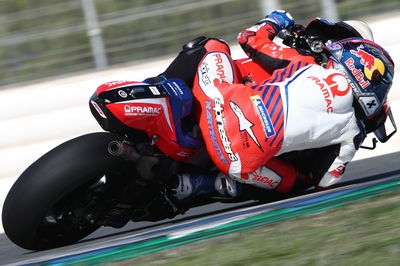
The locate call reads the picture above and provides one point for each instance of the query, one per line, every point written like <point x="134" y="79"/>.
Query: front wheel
<point x="45" y="207"/>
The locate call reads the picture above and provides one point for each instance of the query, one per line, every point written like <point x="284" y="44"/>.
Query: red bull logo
<point x="358" y="74"/>
<point x="367" y="59"/>
<point x="371" y="63"/>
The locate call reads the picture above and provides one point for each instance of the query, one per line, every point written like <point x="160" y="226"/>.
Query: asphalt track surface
<point x="357" y="173"/>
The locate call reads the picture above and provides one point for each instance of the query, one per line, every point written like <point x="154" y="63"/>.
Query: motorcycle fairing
<point x="138" y="108"/>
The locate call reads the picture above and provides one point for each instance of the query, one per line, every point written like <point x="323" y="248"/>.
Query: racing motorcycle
<point x="121" y="175"/>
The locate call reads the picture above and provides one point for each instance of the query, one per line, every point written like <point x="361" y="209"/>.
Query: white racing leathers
<point x="318" y="112"/>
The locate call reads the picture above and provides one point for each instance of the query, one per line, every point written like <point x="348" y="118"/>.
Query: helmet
<point x="361" y="27"/>
<point x="369" y="70"/>
<point x="327" y="30"/>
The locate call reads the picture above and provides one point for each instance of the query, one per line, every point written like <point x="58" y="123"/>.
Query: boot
<point x="188" y="187"/>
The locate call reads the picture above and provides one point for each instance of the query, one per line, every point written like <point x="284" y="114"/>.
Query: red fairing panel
<point x="151" y="115"/>
<point x="148" y="115"/>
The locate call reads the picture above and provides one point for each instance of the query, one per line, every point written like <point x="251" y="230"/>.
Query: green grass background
<point x="362" y="233"/>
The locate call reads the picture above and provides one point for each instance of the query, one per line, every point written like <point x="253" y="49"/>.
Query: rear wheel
<point x="57" y="200"/>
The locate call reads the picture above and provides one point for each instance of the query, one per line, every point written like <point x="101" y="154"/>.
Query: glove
<point x="280" y="18"/>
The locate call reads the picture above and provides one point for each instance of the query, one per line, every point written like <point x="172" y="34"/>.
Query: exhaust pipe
<point x="124" y="150"/>
<point x="147" y="166"/>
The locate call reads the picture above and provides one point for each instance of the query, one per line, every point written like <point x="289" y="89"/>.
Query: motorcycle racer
<point x="310" y="101"/>
<point x="258" y="44"/>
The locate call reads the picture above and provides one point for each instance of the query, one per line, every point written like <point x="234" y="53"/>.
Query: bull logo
<point x="372" y="65"/>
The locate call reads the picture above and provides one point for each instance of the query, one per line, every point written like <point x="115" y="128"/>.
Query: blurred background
<point x="45" y="38"/>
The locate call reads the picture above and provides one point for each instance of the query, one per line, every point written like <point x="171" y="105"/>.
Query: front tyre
<point x="35" y="209"/>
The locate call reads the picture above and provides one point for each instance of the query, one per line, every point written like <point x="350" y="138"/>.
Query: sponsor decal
<point x="325" y="93"/>
<point x="369" y="103"/>
<point x="367" y="59"/>
<point x="350" y="81"/>
<point x="215" y="65"/>
<point x="334" y="47"/>
<point x="176" y="89"/>
<point x="219" y="63"/>
<point x="358" y="74"/>
<point x="370" y="62"/>
<point x="244" y="123"/>
<point x="98" y="109"/>
<point x="338" y="84"/>
<point x="219" y="119"/>
<point x="116" y="82"/>
<point x="138" y="110"/>
<point x="211" y="132"/>
<point x="154" y="90"/>
<point x="338" y="172"/>
<point x="122" y="93"/>
<point x="335" y="82"/>
<point x="148" y="107"/>
<point x="266" y="176"/>
<point x="263" y="115"/>
<point x="245" y="140"/>
<point x="204" y="74"/>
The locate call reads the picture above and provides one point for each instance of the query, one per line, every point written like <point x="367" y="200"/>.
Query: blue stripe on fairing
<point x="282" y="75"/>
<point x="274" y="89"/>
<point x="275" y="78"/>
<point x="275" y="105"/>
<point x="266" y="89"/>
<point x="280" y="142"/>
<point x="298" y="65"/>
<point x="291" y="70"/>
<point x="277" y="134"/>
<point x="279" y="116"/>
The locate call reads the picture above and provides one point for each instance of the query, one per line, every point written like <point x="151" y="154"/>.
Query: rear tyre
<point x="36" y="208"/>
